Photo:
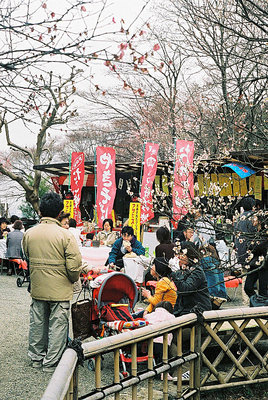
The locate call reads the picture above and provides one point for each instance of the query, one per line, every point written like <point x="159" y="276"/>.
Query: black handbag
<point x="81" y="312"/>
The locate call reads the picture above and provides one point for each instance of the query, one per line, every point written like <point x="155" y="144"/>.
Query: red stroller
<point x="112" y="303"/>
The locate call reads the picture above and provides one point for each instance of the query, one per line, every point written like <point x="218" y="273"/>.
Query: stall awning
<point x="63" y="168"/>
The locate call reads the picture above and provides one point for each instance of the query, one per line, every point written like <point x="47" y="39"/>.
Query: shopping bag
<point x="81" y="318"/>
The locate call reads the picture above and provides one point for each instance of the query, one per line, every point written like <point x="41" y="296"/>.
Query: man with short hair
<point x="126" y="244"/>
<point x="55" y="263"/>
<point x="186" y="235"/>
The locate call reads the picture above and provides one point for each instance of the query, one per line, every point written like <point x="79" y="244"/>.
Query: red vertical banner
<point x="56" y="183"/>
<point x="149" y="171"/>
<point x="77" y="180"/>
<point x="183" y="187"/>
<point x="106" y="186"/>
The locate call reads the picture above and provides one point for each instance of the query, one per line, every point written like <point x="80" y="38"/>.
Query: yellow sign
<point x="243" y="187"/>
<point x="68" y="207"/>
<point x="113" y="217"/>
<point x="165" y="184"/>
<point x="229" y="189"/>
<point x="157" y="184"/>
<point x="214" y="181"/>
<point x="251" y="184"/>
<point x="222" y="184"/>
<point x="265" y="178"/>
<point x="207" y="185"/>
<point x="200" y="181"/>
<point x="135" y="217"/>
<point x="236" y="186"/>
<point x="258" y="187"/>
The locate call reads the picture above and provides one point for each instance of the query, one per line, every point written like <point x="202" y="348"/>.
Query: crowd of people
<point x="188" y="269"/>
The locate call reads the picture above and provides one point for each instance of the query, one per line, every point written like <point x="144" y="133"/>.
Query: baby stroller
<point x="23" y="272"/>
<point x="112" y="304"/>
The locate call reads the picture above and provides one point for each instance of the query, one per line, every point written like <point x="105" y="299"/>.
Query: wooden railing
<point x="226" y="344"/>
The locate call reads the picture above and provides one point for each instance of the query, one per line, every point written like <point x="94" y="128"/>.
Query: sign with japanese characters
<point x="183" y="189"/>
<point x="77" y="179"/>
<point x="149" y="171"/>
<point x="106" y="186"/>
<point x="68" y="207"/>
<point x="134" y="218"/>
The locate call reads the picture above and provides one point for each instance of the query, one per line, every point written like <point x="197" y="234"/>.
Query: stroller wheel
<point x="91" y="364"/>
<point x="123" y="375"/>
<point x="19" y="282"/>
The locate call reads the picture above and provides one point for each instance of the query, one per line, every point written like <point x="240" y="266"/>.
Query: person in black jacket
<point x="165" y="248"/>
<point x="191" y="283"/>
<point x="256" y="273"/>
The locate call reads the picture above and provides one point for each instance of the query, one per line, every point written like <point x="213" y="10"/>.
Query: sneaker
<point x="49" y="370"/>
<point x="170" y="378"/>
<point x="185" y="376"/>
<point x="37" y="364"/>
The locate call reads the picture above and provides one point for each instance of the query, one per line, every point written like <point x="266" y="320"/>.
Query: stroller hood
<point x="114" y="288"/>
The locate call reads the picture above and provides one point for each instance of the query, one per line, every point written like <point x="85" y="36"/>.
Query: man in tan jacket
<point x="55" y="263"/>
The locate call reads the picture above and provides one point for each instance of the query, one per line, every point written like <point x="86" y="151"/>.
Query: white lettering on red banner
<point x="77" y="180"/>
<point x="183" y="189"/>
<point x="149" y="171"/>
<point x="106" y="187"/>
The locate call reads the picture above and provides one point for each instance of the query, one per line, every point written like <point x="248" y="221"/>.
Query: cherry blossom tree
<point x="44" y="50"/>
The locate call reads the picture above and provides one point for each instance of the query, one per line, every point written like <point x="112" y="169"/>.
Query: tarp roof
<point x="257" y="159"/>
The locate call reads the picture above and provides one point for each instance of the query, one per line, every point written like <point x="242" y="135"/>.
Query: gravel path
<point x="18" y="380"/>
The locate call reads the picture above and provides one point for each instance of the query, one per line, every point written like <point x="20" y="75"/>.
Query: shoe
<point x="169" y="377"/>
<point x="185" y="376"/>
<point x="37" y="364"/>
<point x="49" y="370"/>
<point x="9" y="272"/>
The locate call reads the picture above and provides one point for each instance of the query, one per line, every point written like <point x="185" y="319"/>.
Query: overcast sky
<point x="126" y="9"/>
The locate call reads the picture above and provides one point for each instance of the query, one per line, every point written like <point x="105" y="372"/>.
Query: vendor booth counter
<point x="95" y="256"/>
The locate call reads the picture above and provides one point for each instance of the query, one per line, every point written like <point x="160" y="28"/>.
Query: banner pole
<point x="143" y="155"/>
<point x="70" y="163"/>
<point x="95" y="179"/>
<point x="174" y="164"/>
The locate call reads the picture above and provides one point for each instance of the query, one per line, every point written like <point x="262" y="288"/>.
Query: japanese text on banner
<point x="149" y="171"/>
<point x="68" y="207"/>
<point x="183" y="189"/>
<point x="106" y="187"/>
<point x="77" y="180"/>
<point x="134" y="218"/>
